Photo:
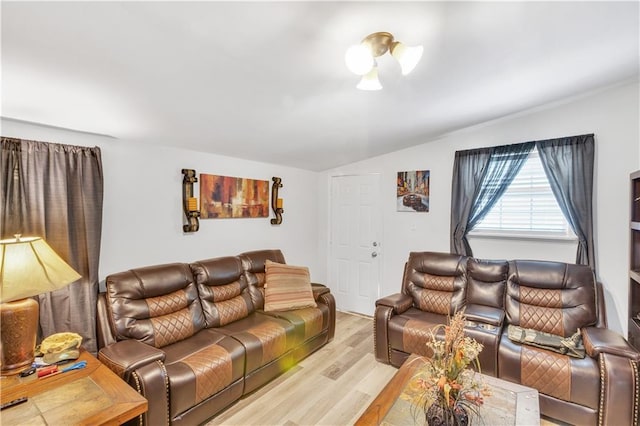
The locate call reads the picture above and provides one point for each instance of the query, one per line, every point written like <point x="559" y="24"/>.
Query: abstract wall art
<point x="233" y="197"/>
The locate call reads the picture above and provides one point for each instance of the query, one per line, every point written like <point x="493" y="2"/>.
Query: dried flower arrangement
<point x="450" y="391"/>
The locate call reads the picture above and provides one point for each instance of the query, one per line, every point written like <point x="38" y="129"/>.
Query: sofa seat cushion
<point x="566" y="378"/>
<point x="309" y="322"/>
<point x="200" y="367"/>
<point x="409" y="331"/>
<point x="265" y="338"/>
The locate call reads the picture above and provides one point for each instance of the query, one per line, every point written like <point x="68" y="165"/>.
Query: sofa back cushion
<point x="553" y="297"/>
<point x="253" y="263"/>
<point x="487" y="282"/>
<point x="157" y="305"/>
<point x="223" y="290"/>
<point x="436" y="281"/>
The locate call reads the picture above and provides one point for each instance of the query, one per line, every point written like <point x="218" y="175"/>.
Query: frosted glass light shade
<point x="407" y="56"/>
<point x="358" y="59"/>
<point x="370" y="80"/>
<point x="29" y="266"/>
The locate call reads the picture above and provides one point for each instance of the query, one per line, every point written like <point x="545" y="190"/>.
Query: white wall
<point x="612" y="115"/>
<point x="142" y="215"/>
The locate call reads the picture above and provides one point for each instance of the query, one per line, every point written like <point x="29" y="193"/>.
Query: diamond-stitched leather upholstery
<point x="415" y="335"/>
<point x="226" y="292"/>
<point x="223" y="290"/>
<point x="434" y="301"/>
<point x="190" y="362"/>
<point x="161" y="299"/>
<point x="213" y="370"/>
<point x="273" y="338"/>
<point x="167" y="304"/>
<point x="601" y="388"/>
<point x="436" y="281"/>
<point x="552" y="297"/>
<point x="546" y="371"/>
<point x="231" y="310"/>
<point x="172" y="328"/>
<point x="543" y="319"/>
<point x="544" y="297"/>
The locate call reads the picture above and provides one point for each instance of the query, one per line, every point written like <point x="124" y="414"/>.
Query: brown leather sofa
<point x="193" y="338"/>
<point x="552" y="297"/>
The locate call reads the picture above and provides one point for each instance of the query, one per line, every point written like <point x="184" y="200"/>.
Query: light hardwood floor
<point x="333" y="386"/>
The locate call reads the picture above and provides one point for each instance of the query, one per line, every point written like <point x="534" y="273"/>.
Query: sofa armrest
<point x="602" y="340"/>
<point x="484" y="314"/>
<point x="322" y="294"/>
<point x="619" y="390"/>
<point x="318" y="290"/>
<point x="129" y="355"/>
<point x="398" y="302"/>
<point x="152" y="382"/>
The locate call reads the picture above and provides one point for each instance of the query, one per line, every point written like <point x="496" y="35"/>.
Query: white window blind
<point x="527" y="208"/>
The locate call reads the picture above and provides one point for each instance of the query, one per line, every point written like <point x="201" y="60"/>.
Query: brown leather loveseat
<point x="550" y="297"/>
<point x="194" y="338"/>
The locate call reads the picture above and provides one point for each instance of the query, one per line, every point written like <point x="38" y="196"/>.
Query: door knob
<point x="374" y="254"/>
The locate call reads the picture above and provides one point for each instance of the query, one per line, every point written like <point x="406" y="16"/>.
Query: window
<point x="527" y="209"/>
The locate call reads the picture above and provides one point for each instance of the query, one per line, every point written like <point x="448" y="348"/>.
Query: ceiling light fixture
<point x="360" y="59"/>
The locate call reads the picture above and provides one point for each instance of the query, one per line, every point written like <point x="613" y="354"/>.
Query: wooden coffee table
<point x="509" y="403"/>
<point x="91" y="396"/>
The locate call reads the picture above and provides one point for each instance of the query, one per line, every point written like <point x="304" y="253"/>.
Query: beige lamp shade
<point x="29" y="266"/>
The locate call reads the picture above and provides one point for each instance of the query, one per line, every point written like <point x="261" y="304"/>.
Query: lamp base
<point x="18" y="330"/>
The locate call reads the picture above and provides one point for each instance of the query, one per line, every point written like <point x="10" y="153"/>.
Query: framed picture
<point x="413" y="191"/>
<point x="233" y="197"/>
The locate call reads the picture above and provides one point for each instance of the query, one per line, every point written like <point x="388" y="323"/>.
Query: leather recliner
<point x="191" y="340"/>
<point x="552" y="297"/>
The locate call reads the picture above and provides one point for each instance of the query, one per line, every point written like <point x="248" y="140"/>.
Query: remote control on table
<point x="14" y="402"/>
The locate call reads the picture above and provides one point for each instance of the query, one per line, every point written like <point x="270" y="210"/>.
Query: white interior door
<point x="355" y="242"/>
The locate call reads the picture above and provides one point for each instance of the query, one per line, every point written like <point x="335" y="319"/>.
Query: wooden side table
<point x="91" y="396"/>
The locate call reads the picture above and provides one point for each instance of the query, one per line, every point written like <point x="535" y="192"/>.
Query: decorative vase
<point x="437" y="415"/>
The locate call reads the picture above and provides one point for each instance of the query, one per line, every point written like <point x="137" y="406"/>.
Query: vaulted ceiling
<point x="267" y="81"/>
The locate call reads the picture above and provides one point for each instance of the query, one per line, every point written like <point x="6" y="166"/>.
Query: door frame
<point x="380" y="239"/>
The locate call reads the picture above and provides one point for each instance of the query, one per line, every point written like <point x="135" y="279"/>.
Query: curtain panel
<point x="480" y="177"/>
<point x="469" y="168"/>
<point x="568" y="163"/>
<point x="55" y="191"/>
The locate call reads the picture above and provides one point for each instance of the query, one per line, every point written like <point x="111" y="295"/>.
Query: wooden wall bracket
<point x="276" y="203"/>
<point x="189" y="202"/>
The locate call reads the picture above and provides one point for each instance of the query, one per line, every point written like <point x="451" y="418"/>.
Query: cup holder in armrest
<point x="480" y="325"/>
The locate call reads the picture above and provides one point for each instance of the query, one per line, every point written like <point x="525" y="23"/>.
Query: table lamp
<point x="28" y="267"/>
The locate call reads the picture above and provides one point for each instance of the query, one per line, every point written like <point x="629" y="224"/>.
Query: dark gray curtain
<point x="504" y="165"/>
<point x="55" y="191"/>
<point x="568" y="163"/>
<point x="468" y="170"/>
<point x="480" y="177"/>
